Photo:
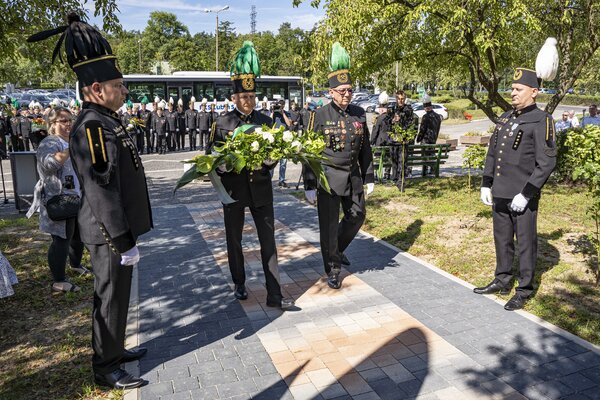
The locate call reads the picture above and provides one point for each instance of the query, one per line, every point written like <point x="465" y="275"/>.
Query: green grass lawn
<point x="45" y="339"/>
<point x="442" y="222"/>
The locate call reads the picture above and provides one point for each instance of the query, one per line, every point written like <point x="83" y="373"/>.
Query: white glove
<point x="187" y="129"/>
<point x="370" y="188"/>
<point x="130" y="257"/>
<point x="519" y="203"/>
<point x="311" y="196"/>
<point x="486" y="196"/>
<point x="177" y="130"/>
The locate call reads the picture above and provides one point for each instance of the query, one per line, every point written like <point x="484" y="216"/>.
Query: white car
<point x="437" y="108"/>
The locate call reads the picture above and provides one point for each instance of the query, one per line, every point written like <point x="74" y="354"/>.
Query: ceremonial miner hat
<point x="384" y="98"/>
<point x="245" y="68"/>
<point x="339" y="64"/>
<point x="426" y="100"/>
<point x="144" y="100"/>
<point x="129" y="104"/>
<point x="88" y="53"/>
<point x="546" y="66"/>
<point x="180" y="102"/>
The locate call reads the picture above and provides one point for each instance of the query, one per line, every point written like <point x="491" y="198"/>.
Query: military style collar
<point x="525" y="110"/>
<point x="242" y="116"/>
<point x="100" y="109"/>
<point x="338" y="108"/>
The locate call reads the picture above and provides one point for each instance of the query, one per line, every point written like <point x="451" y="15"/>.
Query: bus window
<point x="270" y="89"/>
<point x="296" y="95"/>
<point x="186" y="95"/>
<point x="137" y="90"/>
<point x="204" y="90"/>
<point x="174" y="94"/>
<point x="223" y="92"/>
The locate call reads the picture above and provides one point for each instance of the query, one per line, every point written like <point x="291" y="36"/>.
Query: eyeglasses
<point x="247" y="96"/>
<point x="343" y="92"/>
<point x="64" y="121"/>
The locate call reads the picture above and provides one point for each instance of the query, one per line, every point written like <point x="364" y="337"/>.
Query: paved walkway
<point x="398" y="328"/>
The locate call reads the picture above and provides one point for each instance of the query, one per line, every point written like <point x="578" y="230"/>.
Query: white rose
<point x="258" y="130"/>
<point x="288" y="136"/>
<point x="296" y="145"/>
<point x="254" y="146"/>
<point x="129" y="127"/>
<point x="268" y="136"/>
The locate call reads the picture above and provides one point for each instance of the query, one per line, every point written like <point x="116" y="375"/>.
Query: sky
<point x="270" y="15"/>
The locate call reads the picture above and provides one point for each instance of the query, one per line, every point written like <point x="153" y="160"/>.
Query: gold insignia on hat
<point x="248" y="83"/>
<point x="343" y="78"/>
<point x="518" y="74"/>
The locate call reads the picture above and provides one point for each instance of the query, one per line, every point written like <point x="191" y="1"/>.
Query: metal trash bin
<point x="24" y="175"/>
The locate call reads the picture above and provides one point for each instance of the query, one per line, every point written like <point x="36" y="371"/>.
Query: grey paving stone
<point x="386" y="389"/>
<point x="373" y="374"/>
<point x="177" y="396"/>
<point x="227" y="390"/>
<point x="398" y="373"/>
<point x="578" y="382"/>
<point x="186" y="384"/>
<point x="205" y="393"/>
<point x="216" y="378"/>
<point x="172" y="373"/>
<point x="155" y="390"/>
<point x="205" y="367"/>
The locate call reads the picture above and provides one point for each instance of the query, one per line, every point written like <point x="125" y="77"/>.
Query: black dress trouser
<point x="112" y="286"/>
<point x="60" y="249"/>
<point x="507" y="225"/>
<point x="336" y="235"/>
<point x="265" y="227"/>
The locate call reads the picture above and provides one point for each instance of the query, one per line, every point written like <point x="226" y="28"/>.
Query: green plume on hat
<point x="129" y="104"/>
<point x="246" y="60"/>
<point x="77" y="103"/>
<point x="144" y="100"/>
<point x="15" y="103"/>
<point x="340" y="59"/>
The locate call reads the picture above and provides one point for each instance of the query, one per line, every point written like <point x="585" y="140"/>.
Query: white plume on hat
<point x="31" y="104"/>
<point x="226" y="101"/>
<point x="308" y="99"/>
<point x="384" y="98"/>
<point x="193" y="100"/>
<point x="215" y="101"/>
<point x="546" y="63"/>
<point x="265" y="100"/>
<point x="55" y="102"/>
<point x="162" y="105"/>
<point x="180" y="102"/>
<point x="156" y="99"/>
<point x="204" y="101"/>
<point x="72" y="103"/>
<point x="171" y="101"/>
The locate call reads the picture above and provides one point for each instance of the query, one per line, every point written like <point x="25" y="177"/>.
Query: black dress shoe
<point x="132" y="355"/>
<point x="240" y="292"/>
<point x="345" y="260"/>
<point x="494" y="287"/>
<point x="119" y="379"/>
<point x="283" y="302"/>
<point x="333" y="279"/>
<point x="516" y="302"/>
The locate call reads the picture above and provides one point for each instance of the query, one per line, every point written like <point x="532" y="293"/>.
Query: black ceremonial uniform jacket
<point x="159" y="124"/>
<point x="249" y="188"/>
<point x="349" y="163"/>
<point x="304" y="117"/>
<point x="115" y="207"/>
<point x="204" y="120"/>
<point x="521" y="154"/>
<point x="383" y="125"/>
<point x="14" y="126"/>
<point x="190" y="119"/>
<point x="430" y="127"/>
<point x="146" y="117"/>
<point x="171" y="120"/>
<point x="407" y="117"/>
<point x="126" y="118"/>
<point x="24" y="126"/>
<point x="180" y="121"/>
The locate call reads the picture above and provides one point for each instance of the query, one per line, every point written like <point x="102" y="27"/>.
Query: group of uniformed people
<point x="115" y="208"/>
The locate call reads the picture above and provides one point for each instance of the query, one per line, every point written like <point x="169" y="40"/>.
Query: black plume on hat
<point x="88" y="53"/>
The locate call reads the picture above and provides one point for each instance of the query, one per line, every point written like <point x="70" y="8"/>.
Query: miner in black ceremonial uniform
<point x="250" y="188"/>
<point x="348" y="167"/>
<point x="127" y="116"/>
<point x="25" y="128"/>
<point x="159" y="128"/>
<point x="115" y="207"/>
<point x="191" y="123"/>
<point x="146" y="117"/>
<point x="171" y="116"/>
<point x="204" y="124"/>
<point x="407" y="119"/>
<point x="180" y="129"/>
<point x="15" y="125"/>
<point x="520" y="158"/>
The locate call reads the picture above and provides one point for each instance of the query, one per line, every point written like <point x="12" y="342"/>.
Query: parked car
<point x="548" y="91"/>
<point x="371" y="104"/>
<point x="28" y="98"/>
<point x="437" y="108"/>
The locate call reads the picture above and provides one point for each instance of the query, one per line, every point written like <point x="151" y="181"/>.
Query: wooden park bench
<point x="425" y="155"/>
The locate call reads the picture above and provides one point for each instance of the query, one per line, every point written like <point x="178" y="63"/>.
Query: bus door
<point x="186" y="95"/>
<point x="173" y="92"/>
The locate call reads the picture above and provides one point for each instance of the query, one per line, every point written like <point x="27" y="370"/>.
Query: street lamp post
<point x="216" y="34"/>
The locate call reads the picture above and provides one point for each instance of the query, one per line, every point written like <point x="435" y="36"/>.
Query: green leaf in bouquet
<point x="238" y="163"/>
<point x="246" y="128"/>
<point x="187" y="177"/>
<point x="317" y="168"/>
<point x="204" y="163"/>
<point x="215" y="179"/>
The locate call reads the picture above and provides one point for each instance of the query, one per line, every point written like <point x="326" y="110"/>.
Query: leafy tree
<point x="18" y="20"/>
<point x="480" y="39"/>
<point x="473" y="158"/>
<point x="162" y="29"/>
